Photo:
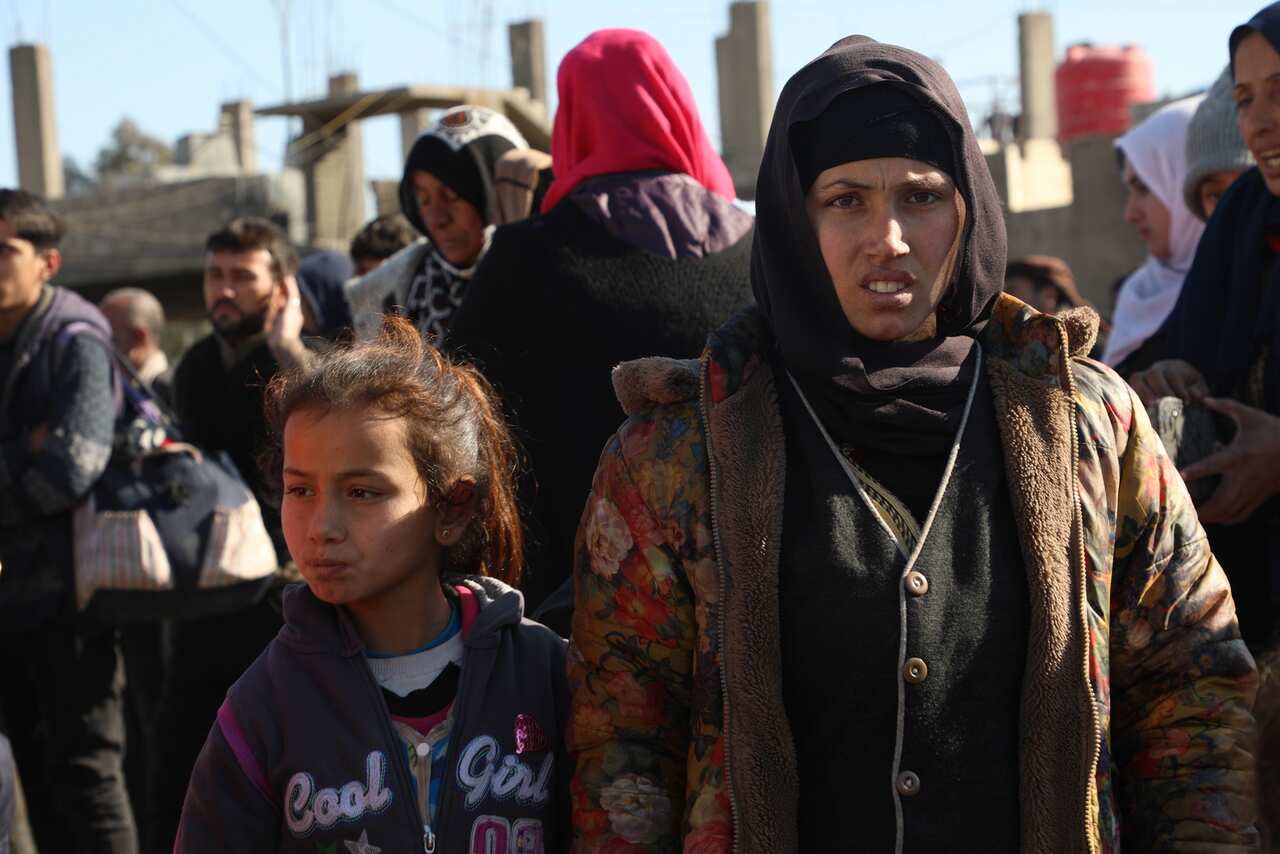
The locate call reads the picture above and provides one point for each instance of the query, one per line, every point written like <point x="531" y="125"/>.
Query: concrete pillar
<point x="529" y="58"/>
<point x="35" y="125"/>
<point x="1103" y="245"/>
<point x="332" y="160"/>
<point x="412" y="124"/>
<point x="1037" y="63"/>
<point x="744" y="66"/>
<point x="236" y="118"/>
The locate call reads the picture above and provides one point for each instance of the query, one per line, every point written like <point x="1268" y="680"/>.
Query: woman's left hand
<point x="1249" y="465"/>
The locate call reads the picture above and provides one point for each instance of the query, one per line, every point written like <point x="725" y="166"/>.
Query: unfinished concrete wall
<point x="1105" y="246"/>
<point x="529" y="58"/>
<point x="1037" y="64"/>
<point x="235" y="119"/>
<point x="386" y="195"/>
<point x="412" y="124"/>
<point x="744" y="67"/>
<point x="153" y="237"/>
<point x="1087" y="230"/>
<point x="1090" y="233"/>
<point x="35" y="125"/>
<point x="1031" y="175"/>
<point x="1040" y="232"/>
<point x="211" y="153"/>
<point x="332" y="159"/>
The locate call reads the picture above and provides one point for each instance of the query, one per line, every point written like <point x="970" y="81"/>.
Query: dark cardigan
<point x="555" y="305"/>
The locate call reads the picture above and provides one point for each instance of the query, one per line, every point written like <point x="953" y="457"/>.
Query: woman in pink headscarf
<point x="625" y="107"/>
<point x="639" y="251"/>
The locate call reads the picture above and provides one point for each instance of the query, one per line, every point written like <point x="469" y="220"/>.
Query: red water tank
<point x="1097" y="86"/>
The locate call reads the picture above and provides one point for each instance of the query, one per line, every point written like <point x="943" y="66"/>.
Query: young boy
<point x="60" y="683"/>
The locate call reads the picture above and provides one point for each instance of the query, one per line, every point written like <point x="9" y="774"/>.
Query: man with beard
<point x="251" y="294"/>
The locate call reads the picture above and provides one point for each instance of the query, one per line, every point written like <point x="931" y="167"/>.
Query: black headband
<point x="862" y="124"/>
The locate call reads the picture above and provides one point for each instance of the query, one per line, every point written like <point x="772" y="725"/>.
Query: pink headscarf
<point x="625" y="107"/>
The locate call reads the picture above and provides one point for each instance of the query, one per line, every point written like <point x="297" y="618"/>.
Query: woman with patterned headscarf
<point x="448" y="194"/>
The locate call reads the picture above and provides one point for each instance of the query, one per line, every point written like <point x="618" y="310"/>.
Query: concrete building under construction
<point x="149" y="229"/>
<point x="1061" y="198"/>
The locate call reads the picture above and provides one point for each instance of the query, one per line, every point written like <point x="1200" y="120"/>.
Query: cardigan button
<point x="915" y="670"/>
<point x="917" y="584"/>
<point x="908" y="784"/>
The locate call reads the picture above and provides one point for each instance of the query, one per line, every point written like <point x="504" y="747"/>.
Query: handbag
<point x="168" y="530"/>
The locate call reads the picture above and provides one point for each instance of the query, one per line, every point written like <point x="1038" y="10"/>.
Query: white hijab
<point x="1157" y="151"/>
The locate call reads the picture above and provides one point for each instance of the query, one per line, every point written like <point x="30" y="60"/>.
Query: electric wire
<point x="222" y="46"/>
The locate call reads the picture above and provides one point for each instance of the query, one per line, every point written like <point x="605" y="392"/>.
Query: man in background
<point x="251" y="295"/>
<point x="137" y="326"/>
<point x="61" y="681"/>
<point x="379" y="240"/>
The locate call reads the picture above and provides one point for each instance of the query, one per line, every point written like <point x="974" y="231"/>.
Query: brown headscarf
<point x="1048" y="271"/>
<point x="899" y="396"/>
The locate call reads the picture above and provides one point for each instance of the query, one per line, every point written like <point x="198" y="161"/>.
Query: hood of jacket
<point x="313" y="626"/>
<point x="462" y="150"/>
<point x="307" y="724"/>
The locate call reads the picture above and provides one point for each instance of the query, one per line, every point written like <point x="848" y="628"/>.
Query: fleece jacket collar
<point x="1028" y="363"/>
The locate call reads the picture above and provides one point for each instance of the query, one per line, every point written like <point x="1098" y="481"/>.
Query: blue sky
<point x="169" y="63"/>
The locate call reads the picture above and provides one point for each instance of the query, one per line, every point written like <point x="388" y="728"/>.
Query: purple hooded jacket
<point x="57" y="379"/>
<point x="303" y="756"/>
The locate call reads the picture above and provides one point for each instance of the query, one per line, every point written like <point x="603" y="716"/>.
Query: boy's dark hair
<point x="245" y="234"/>
<point x="382" y="237"/>
<point x="31" y="219"/>
<point x="455" y="430"/>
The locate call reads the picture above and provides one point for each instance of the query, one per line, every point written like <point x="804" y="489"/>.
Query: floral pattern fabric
<point x="1172" y="681"/>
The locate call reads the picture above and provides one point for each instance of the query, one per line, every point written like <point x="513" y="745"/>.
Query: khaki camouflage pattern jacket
<point x="1136" y="701"/>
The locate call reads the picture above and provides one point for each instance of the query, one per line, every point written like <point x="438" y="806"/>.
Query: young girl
<point x="406" y="705"/>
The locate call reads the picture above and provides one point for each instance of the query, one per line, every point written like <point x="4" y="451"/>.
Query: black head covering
<point x="1229" y="309"/>
<point x="1266" y="21"/>
<point x="461" y="150"/>
<point x="321" y="276"/>
<point x="862" y="124"/>
<point x="906" y="397"/>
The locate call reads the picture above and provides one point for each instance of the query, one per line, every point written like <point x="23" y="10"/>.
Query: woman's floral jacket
<point x="1137" y="693"/>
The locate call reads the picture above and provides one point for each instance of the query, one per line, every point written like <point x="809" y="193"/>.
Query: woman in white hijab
<point x="1155" y="166"/>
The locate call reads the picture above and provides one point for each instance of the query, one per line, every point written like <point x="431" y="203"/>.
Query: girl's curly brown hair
<point x="454" y="427"/>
